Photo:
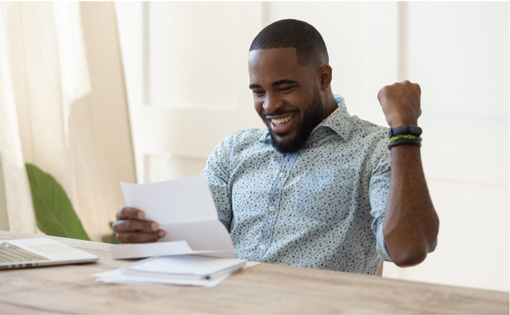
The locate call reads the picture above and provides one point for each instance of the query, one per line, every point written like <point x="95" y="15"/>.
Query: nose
<point x="271" y="104"/>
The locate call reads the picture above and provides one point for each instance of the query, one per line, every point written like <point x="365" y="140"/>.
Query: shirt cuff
<point x="381" y="245"/>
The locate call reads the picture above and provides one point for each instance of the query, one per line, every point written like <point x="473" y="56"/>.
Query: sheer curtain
<point x="63" y="108"/>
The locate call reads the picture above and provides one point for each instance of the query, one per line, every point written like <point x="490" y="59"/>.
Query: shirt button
<point x="262" y="246"/>
<point x="282" y="174"/>
<point x="272" y="208"/>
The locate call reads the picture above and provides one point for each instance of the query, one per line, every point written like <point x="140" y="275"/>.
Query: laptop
<point x="39" y="252"/>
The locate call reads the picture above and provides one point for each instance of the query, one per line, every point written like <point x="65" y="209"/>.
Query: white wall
<point x="458" y="52"/>
<point x="186" y="75"/>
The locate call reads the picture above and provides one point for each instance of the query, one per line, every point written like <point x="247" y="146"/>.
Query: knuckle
<point x="121" y="213"/>
<point x="129" y="226"/>
<point x="120" y="226"/>
<point x="136" y="235"/>
<point x="115" y="226"/>
<point x="118" y="213"/>
<point x="129" y="237"/>
<point x="122" y="238"/>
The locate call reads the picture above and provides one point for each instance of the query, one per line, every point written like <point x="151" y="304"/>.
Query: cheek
<point x="258" y="105"/>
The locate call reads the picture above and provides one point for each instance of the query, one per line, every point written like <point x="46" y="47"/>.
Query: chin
<point x="286" y="145"/>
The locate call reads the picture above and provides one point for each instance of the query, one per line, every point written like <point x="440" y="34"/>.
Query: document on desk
<point x="175" y="270"/>
<point x="183" y="267"/>
<point x="185" y="209"/>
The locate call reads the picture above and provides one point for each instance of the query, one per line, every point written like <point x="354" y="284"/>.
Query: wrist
<point x="403" y="123"/>
<point x="405" y="130"/>
<point x="397" y="120"/>
<point x="405" y="135"/>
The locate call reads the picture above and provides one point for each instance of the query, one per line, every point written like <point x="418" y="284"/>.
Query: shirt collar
<point x="338" y="121"/>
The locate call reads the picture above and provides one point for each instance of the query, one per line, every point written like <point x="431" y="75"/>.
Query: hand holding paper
<point x="184" y="208"/>
<point x="131" y="227"/>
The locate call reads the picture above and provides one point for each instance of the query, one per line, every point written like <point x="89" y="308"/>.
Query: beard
<point x="312" y="117"/>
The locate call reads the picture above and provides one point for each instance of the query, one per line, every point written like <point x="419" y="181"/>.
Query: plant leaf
<point x="53" y="209"/>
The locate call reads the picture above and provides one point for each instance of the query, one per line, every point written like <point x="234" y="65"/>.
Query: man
<point x="314" y="188"/>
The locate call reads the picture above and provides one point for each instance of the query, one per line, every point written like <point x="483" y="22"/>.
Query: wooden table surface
<point x="265" y="288"/>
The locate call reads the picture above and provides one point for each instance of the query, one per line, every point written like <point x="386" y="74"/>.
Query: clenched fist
<point x="400" y="103"/>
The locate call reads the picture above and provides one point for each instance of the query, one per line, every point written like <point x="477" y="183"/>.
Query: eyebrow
<point x="276" y="83"/>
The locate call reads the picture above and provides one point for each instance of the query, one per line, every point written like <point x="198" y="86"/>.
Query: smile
<point x="281" y="121"/>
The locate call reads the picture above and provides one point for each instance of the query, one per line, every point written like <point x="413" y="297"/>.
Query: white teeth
<point x="281" y="120"/>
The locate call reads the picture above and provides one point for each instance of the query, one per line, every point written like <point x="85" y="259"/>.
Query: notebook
<point x="183" y="267"/>
<point x="39" y="252"/>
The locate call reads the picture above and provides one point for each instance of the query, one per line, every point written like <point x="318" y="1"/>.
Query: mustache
<point x="277" y="112"/>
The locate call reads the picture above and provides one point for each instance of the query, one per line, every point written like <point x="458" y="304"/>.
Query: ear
<point x="325" y="76"/>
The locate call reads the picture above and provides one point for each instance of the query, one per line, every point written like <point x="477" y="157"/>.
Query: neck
<point x="328" y="101"/>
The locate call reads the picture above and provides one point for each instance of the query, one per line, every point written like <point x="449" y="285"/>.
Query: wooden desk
<point x="265" y="288"/>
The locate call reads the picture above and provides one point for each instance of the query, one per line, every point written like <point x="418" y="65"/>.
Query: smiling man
<point x="286" y="95"/>
<point x="317" y="188"/>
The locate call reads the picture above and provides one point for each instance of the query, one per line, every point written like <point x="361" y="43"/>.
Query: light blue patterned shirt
<point x="321" y="207"/>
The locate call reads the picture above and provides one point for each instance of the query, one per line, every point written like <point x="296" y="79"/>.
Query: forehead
<point x="274" y="63"/>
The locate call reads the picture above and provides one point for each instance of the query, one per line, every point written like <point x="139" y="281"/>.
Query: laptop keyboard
<point x="12" y="253"/>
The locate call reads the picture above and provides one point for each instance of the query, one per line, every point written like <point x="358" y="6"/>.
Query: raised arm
<point x="411" y="224"/>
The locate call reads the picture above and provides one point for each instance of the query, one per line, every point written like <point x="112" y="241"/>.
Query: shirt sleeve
<point x="217" y="175"/>
<point x="379" y="193"/>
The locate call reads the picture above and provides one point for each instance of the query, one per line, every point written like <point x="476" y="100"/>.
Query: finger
<point x="135" y="226"/>
<point x="417" y="88"/>
<point x="139" y="237"/>
<point x="382" y="93"/>
<point x="129" y="213"/>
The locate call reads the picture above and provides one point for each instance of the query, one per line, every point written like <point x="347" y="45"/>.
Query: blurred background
<point x="97" y="93"/>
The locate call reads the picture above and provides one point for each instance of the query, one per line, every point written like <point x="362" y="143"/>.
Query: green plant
<point x="111" y="238"/>
<point x="54" y="212"/>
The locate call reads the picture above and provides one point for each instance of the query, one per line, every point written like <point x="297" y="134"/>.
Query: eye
<point x="258" y="93"/>
<point x="286" y="89"/>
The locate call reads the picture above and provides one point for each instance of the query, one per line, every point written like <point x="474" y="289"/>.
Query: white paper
<point x="128" y="251"/>
<point x="185" y="210"/>
<point x="184" y="267"/>
<point x="115" y="276"/>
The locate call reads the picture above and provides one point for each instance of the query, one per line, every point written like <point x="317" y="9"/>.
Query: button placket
<point x="274" y="202"/>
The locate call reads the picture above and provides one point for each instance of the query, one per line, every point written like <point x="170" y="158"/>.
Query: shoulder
<point x="374" y="140"/>
<point x="239" y="142"/>
<point x="369" y="131"/>
<point x="233" y="149"/>
<point x="243" y="138"/>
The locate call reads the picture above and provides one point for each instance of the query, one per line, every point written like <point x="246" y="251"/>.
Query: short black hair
<point x="290" y="33"/>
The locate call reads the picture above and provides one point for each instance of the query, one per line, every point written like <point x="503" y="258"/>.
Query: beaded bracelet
<point x="408" y="137"/>
<point x="405" y="130"/>
<point x="404" y="142"/>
